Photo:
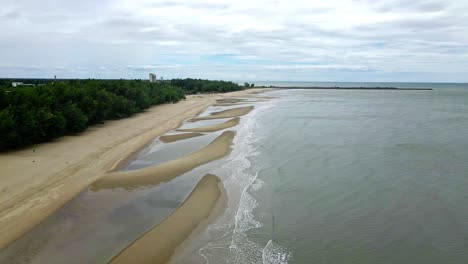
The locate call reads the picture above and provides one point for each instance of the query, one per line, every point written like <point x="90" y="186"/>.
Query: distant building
<point x="152" y="77"/>
<point x="14" y="84"/>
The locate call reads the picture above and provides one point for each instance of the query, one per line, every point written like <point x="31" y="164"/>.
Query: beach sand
<point x="38" y="180"/>
<point x="154" y="175"/>
<point x="232" y="100"/>
<point x="178" y="137"/>
<point x="235" y="112"/>
<point x="230" y="123"/>
<point x="231" y="104"/>
<point x="159" y="244"/>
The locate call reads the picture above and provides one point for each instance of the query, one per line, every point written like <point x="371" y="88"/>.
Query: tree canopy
<point x="33" y="114"/>
<point x="193" y="86"/>
<point x="52" y="108"/>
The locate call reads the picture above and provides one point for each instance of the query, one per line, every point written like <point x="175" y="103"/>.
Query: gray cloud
<point x="11" y="15"/>
<point x="412" y="6"/>
<point x="190" y="4"/>
<point x="361" y="40"/>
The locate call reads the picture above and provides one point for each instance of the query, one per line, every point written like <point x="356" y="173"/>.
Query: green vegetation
<point x="33" y="114"/>
<point x="46" y="109"/>
<point x="193" y="86"/>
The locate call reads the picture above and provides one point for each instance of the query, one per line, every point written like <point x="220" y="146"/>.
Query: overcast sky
<point x="309" y="40"/>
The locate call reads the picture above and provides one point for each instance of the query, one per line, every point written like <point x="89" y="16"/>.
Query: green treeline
<point x="193" y="86"/>
<point x="33" y="114"/>
<point x="42" y="109"/>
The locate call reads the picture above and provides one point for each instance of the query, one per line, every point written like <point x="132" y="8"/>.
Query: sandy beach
<point x="230" y="123"/>
<point x="231" y="100"/>
<point x="159" y="244"/>
<point x="38" y="180"/>
<point x="230" y="104"/>
<point x="154" y="175"/>
<point x="178" y="137"/>
<point x="235" y="112"/>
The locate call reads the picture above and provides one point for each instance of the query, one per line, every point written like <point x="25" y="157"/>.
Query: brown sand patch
<point x="230" y="100"/>
<point x="177" y="137"/>
<point x="154" y="175"/>
<point x="159" y="244"/>
<point x="235" y="112"/>
<point x="230" y="123"/>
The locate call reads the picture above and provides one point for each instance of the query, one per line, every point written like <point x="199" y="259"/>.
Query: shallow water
<point x="96" y="225"/>
<point x="348" y="177"/>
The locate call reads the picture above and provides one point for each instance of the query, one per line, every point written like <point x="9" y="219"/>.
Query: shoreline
<point x="161" y="242"/>
<point x="178" y="137"/>
<point x="38" y="180"/>
<point x="164" y="172"/>
<point x="212" y="128"/>
<point x="229" y="113"/>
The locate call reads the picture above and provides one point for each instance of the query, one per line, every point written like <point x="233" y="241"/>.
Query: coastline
<point x="167" y="171"/>
<point x="40" y="179"/>
<point x="212" y="128"/>
<point x="229" y="113"/>
<point x="178" y="137"/>
<point x="160" y="243"/>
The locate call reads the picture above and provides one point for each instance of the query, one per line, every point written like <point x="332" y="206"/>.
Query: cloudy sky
<point x="308" y="40"/>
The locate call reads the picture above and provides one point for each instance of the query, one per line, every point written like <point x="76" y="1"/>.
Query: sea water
<point x="315" y="176"/>
<point x="327" y="176"/>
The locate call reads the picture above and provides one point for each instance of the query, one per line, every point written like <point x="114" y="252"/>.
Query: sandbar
<point x="159" y="243"/>
<point x="231" y="104"/>
<point x="230" y="123"/>
<point x="229" y="113"/>
<point x="154" y="175"/>
<point x="230" y="100"/>
<point x="178" y="137"/>
<point x="38" y="180"/>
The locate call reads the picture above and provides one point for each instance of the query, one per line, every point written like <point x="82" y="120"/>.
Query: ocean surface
<point x="363" y="84"/>
<point x="326" y="176"/>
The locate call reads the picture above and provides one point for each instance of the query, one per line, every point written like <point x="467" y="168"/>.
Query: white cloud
<point x="306" y="40"/>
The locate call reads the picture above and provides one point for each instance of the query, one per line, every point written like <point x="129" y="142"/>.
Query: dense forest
<point x="193" y="86"/>
<point x="46" y="110"/>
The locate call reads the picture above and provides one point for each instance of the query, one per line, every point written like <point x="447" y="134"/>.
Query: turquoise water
<point x="349" y="177"/>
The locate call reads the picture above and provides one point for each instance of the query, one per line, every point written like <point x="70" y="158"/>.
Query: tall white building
<point x="152" y="77"/>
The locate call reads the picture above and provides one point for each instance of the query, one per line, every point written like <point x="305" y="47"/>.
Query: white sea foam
<point x="242" y="249"/>
<point x="274" y="254"/>
<point x="240" y="185"/>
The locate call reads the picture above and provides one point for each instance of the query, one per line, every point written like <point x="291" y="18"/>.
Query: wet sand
<point x="154" y="175"/>
<point x="178" y="137"/>
<point x="38" y="180"/>
<point x="159" y="244"/>
<point x="231" y="100"/>
<point x="230" y="113"/>
<point x="230" y="123"/>
<point x="231" y="104"/>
